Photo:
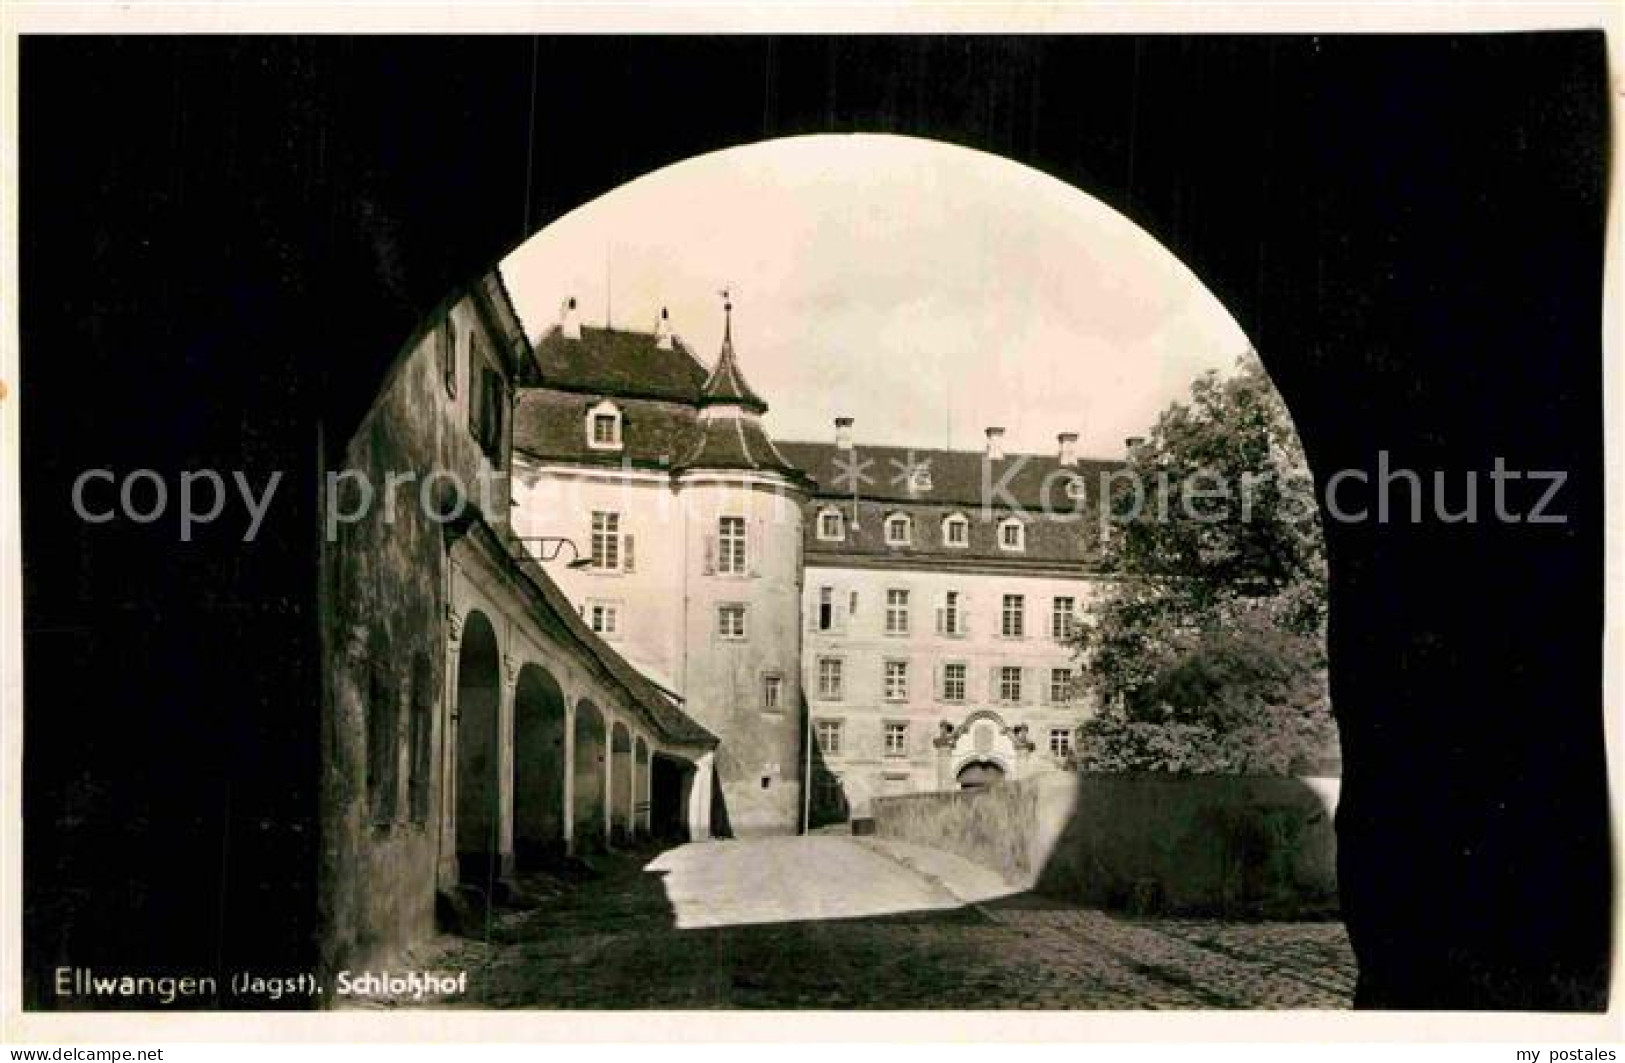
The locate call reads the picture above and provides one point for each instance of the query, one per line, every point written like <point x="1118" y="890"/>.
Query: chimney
<point x="1133" y="443"/>
<point x="843" y="433"/>
<point x="1069" y="448"/>
<point x="570" y="323"/>
<point x="995" y="443"/>
<point x="663" y="331"/>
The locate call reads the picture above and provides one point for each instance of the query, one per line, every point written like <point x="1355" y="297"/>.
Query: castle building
<point x="690" y="525"/>
<point x="893" y="620"/>
<point x="941" y="590"/>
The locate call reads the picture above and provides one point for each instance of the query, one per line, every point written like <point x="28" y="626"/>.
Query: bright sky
<point x="926" y="290"/>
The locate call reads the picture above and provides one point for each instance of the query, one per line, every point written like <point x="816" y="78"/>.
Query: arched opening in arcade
<point x="478" y="815"/>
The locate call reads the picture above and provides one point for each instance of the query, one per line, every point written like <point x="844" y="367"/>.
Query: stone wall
<point x="1211" y="845"/>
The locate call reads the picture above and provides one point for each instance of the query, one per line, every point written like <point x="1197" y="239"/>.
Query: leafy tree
<point x="1209" y="647"/>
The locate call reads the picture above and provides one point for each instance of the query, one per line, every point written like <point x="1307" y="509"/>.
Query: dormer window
<point x="956" y="531"/>
<point x="831" y="525"/>
<point x="1075" y="489"/>
<point x="919" y="478"/>
<point x="1012" y="534"/>
<point x="899" y="530"/>
<point x="604" y="427"/>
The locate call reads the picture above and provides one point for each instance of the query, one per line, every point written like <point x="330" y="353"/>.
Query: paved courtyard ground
<point x="838" y="922"/>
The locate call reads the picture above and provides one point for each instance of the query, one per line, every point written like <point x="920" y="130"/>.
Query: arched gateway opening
<point x="669" y="783"/>
<point x="478" y="695"/>
<point x="538" y="767"/>
<point x="620" y="814"/>
<point x="980" y="774"/>
<point x="590" y="759"/>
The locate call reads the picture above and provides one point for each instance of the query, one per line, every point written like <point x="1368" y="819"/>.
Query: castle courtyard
<point x="833" y="921"/>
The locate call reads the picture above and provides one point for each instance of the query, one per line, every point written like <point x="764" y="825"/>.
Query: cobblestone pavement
<point x="613" y="942"/>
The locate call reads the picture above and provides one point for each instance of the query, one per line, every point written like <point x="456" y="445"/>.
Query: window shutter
<point x="812" y="613"/>
<point x="939" y="682"/>
<point x="1049" y="622"/>
<point x="993" y="673"/>
<point x="964" y="613"/>
<point x="1027" y="686"/>
<point x="755" y="543"/>
<point x="628" y="555"/>
<point x="710" y="555"/>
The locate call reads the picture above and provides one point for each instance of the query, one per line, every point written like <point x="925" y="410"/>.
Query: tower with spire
<point x="743" y="504"/>
<point x="659" y="466"/>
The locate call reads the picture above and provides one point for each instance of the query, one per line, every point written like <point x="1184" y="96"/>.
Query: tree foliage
<point x="1209" y="648"/>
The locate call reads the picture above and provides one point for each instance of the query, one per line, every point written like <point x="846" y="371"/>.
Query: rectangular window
<point x="956" y="531"/>
<point x="1060" y="742"/>
<point x="731" y="545"/>
<point x="953" y="618"/>
<point x="485" y="403"/>
<point x="953" y="682"/>
<point x="448" y="355"/>
<point x="829" y="736"/>
<point x="829" y="526"/>
<point x="896" y="680"/>
<point x="831" y="682"/>
<point x="731" y="621"/>
<point x="606" y="619"/>
<point x="1015" y="616"/>
<point x="826" y="608"/>
<point x="1009" y="683"/>
<point x="897" y="739"/>
<point x="383" y="746"/>
<point x="606" y="541"/>
<point x="896" y="612"/>
<point x="1062" y="618"/>
<point x="772" y="693"/>
<point x="420" y="738"/>
<point x="1060" y="685"/>
<point x="603" y="429"/>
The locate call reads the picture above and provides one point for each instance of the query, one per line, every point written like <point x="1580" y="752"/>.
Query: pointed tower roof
<point x="730" y="434"/>
<point x="726" y="384"/>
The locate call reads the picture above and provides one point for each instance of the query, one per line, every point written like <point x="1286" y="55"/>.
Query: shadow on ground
<point x="609" y="941"/>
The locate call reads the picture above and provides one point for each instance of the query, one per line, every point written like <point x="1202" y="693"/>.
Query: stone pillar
<point x="504" y="758"/>
<point x="1024" y="750"/>
<point x="569" y="773"/>
<point x="944" y="745"/>
<point x="608" y="826"/>
<point x="446" y="869"/>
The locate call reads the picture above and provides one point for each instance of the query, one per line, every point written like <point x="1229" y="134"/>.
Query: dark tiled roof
<point x="612" y="362"/>
<point x="726" y="383"/>
<point x="553" y="425"/>
<point x="957" y="477"/>
<point x="737" y="443"/>
<point x="1050" y="540"/>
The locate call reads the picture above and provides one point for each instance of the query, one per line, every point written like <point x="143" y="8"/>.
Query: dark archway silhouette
<point x="591" y="759"/>
<point x="538" y="767"/>
<point x="621" y="785"/>
<point x="641" y="794"/>
<point x="478" y="751"/>
<point x="979" y="774"/>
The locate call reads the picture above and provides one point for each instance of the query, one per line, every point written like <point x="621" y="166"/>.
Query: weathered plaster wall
<point x="384" y="629"/>
<point x="1226" y="845"/>
<point x="723" y="679"/>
